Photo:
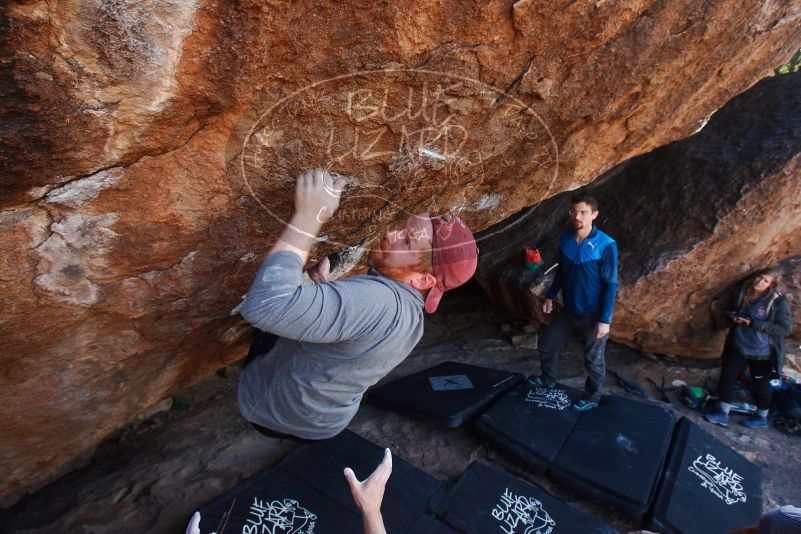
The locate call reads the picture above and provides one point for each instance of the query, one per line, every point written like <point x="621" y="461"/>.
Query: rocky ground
<point x="151" y="476"/>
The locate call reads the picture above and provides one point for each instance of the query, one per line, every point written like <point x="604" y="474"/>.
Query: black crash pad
<point x="274" y="501"/>
<point x="531" y="423"/>
<point x="320" y="465"/>
<point x="447" y="395"/>
<point x="427" y="524"/>
<point x="615" y="454"/>
<point x="309" y="481"/>
<point x="486" y="499"/>
<point x="706" y="486"/>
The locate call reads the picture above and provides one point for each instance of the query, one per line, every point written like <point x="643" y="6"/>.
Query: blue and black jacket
<point x="587" y="274"/>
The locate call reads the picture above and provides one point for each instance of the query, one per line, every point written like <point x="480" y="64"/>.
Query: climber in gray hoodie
<point x="329" y="342"/>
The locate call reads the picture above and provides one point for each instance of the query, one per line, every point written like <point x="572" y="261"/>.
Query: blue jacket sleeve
<point x="556" y="285"/>
<point x="608" y="282"/>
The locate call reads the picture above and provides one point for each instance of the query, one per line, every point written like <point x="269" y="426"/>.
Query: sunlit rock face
<point x="691" y="219"/>
<point x="148" y="149"/>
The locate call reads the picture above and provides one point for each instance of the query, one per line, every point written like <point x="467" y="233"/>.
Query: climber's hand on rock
<point x="547" y="306"/>
<point x="316" y="200"/>
<point x="317" y="195"/>
<point x="321" y="272"/>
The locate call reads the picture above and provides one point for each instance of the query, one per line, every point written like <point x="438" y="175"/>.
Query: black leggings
<point x="734" y="363"/>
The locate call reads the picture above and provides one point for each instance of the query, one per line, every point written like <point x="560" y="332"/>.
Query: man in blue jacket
<point x="587" y="278"/>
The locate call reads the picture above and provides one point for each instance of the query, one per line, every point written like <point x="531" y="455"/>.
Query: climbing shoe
<point x="584" y="405"/>
<point x="756" y="421"/>
<point x="719" y="418"/>
<point x="538" y="381"/>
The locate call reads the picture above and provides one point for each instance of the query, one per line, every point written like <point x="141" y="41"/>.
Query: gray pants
<point x="560" y="331"/>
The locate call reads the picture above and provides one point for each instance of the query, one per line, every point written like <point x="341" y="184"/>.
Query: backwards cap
<point x="454" y="257"/>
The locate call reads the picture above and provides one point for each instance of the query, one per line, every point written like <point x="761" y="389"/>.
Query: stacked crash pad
<point x="531" y="424"/>
<point x="629" y="455"/>
<point x="307" y="492"/>
<point x="611" y="455"/>
<point x="706" y="487"/>
<point x="615" y="454"/>
<point x="447" y="395"/>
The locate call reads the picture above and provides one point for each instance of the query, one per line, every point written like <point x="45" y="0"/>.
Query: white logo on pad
<point x="721" y="481"/>
<point x="553" y="399"/>
<point x="278" y="517"/>
<point x="448" y="383"/>
<point x="522" y="515"/>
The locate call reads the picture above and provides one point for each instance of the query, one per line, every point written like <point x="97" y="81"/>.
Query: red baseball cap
<point x="454" y="257"/>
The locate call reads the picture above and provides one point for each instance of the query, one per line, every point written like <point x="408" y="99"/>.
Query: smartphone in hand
<point x="733" y="315"/>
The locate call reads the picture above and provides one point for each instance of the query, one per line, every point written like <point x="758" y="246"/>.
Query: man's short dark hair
<point x="587" y="199"/>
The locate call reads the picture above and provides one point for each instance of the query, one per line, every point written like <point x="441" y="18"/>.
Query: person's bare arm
<point x="369" y="493"/>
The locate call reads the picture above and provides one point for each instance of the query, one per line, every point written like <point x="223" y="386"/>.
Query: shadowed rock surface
<point x="691" y="219"/>
<point x="147" y="151"/>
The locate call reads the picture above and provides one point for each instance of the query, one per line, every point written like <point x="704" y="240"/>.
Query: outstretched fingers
<point x="384" y="469"/>
<point x="380" y="475"/>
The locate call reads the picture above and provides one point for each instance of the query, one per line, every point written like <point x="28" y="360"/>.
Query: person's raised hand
<point x="547" y="306"/>
<point x="369" y="493"/>
<point x="317" y="195"/>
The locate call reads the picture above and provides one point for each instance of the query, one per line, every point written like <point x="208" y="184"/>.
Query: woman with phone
<point x="760" y="319"/>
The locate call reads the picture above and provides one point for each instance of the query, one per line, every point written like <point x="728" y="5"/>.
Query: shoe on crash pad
<point x="486" y="499"/>
<point x="447" y="395"/>
<point x="530" y="424"/>
<point x="706" y="486"/>
<point x="615" y="453"/>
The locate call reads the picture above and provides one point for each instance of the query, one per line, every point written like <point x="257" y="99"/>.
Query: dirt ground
<point x="151" y="476"/>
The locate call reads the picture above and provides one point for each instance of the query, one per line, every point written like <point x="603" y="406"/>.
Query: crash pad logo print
<point x="519" y="514"/>
<point x="452" y="382"/>
<point x="721" y="481"/>
<point x="285" y="516"/>
<point x="554" y="399"/>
